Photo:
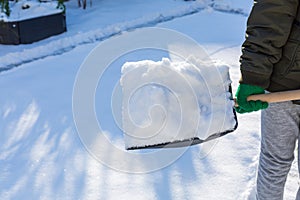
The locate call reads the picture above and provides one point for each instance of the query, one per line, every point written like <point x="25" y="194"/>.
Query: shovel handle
<point x="276" y="96"/>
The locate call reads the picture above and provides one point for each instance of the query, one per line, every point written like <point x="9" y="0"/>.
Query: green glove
<point x="245" y="106"/>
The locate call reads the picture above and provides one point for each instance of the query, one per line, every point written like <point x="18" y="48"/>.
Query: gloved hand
<point x="244" y="106"/>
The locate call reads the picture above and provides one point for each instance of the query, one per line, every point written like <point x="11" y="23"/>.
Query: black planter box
<point x="32" y="30"/>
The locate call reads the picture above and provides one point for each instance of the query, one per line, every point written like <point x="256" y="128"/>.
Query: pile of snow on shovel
<point x="168" y="101"/>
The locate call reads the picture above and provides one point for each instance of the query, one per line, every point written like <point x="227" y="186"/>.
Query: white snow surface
<point x="41" y="155"/>
<point x="24" y="10"/>
<point x="184" y="90"/>
<point x="100" y="28"/>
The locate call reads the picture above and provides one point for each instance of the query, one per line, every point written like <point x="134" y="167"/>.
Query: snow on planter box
<point x="31" y="21"/>
<point x="168" y="102"/>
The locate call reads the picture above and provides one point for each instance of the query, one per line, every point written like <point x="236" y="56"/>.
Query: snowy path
<point x="41" y="156"/>
<point x="68" y="41"/>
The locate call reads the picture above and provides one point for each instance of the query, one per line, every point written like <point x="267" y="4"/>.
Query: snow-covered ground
<point x="41" y="154"/>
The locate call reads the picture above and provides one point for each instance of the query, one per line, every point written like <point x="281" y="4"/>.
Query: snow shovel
<point x="214" y="102"/>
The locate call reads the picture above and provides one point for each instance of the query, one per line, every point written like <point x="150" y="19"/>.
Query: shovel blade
<point x="186" y="142"/>
<point x="175" y="104"/>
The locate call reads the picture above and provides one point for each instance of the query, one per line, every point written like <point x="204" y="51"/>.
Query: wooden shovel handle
<point x="276" y="96"/>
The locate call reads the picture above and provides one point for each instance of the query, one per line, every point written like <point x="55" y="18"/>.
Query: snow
<point x="41" y="153"/>
<point x="24" y="10"/>
<point x="183" y="90"/>
<point x="66" y="43"/>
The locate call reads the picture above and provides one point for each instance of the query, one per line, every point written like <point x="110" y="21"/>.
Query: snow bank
<point x="172" y="101"/>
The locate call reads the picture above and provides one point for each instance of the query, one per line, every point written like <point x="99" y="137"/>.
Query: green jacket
<point x="271" y="52"/>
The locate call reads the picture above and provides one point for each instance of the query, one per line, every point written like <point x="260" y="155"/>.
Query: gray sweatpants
<point x="279" y="134"/>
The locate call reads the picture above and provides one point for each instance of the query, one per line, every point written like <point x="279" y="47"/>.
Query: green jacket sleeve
<point x="268" y="28"/>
